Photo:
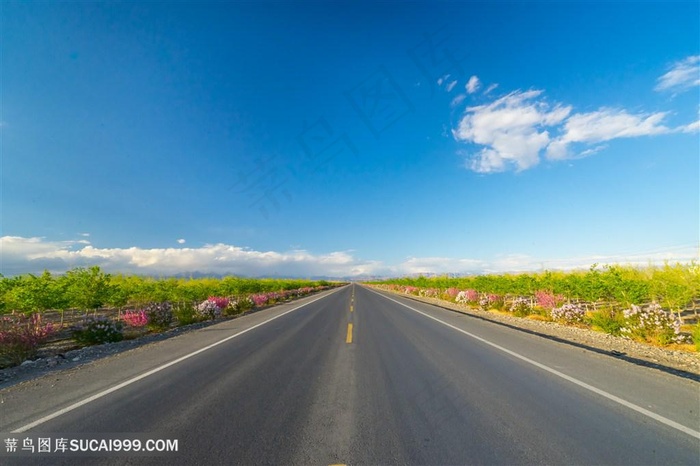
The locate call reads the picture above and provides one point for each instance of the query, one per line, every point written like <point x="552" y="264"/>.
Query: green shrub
<point x="185" y="314"/>
<point x="608" y="321"/>
<point x="98" y="330"/>
<point x="696" y="336"/>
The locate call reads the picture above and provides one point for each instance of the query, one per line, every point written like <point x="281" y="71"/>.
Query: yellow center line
<point x="348" y="339"/>
<point x="351" y="308"/>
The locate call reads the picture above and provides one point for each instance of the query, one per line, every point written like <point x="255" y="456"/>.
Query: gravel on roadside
<point x="64" y="355"/>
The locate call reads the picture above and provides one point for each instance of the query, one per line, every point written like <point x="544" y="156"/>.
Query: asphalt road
<point x="358" y="377"/>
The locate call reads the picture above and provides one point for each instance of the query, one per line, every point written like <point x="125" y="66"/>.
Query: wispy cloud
<point x="683" y="75"/>
<point x="457" y="100"/>
<point x="512" y="129"/>
<point x="490" y="88"/>
<point x="693" y="127"/>
<point x="181" y="241"/>
<point x="443" y="79"/>
<point x="604" y="125"/>
<point x="450" y="86"/>
<point x="472" y="85"/>
<point x="32" y="255"/>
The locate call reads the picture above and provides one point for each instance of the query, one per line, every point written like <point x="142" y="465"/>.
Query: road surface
<point x="353" y="376"/>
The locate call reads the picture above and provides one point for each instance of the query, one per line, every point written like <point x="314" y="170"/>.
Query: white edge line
<point x="609" y="396"/>
<point x="103" y="393"/>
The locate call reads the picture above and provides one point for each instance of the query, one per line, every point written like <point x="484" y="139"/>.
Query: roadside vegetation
<point x="655" y="305"/>
<point x="89" y="306"/>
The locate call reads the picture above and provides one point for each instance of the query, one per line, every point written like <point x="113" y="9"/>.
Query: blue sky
<point x="348" y="139"/>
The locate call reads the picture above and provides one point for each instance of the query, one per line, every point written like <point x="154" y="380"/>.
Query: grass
<point x="606" y="321"/>
<point x="696" y="336"/>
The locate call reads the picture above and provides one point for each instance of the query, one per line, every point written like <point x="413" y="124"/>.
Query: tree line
<point x="91" y="288"/>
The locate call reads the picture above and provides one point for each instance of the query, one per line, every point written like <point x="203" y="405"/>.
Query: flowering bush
<point x="652" y="324"/>
<point x="220" y="302"/>
<point x="411" y="290"/>
<point x="452" y="292"/>
<point x="160" y="315"/>
<point x="568" y="313"/>
<point x="488" y="301"/>
<point x="236" y="306"/>
<point x="547" y="300"/>
<point x="208" y="310"/>
<point x="520" y="307"/>
<point x="20" y="337"/>
<point x="430" y="293"/>
<point x="135" y="318"/>
<point x="467" y="297"/>
<point x="259" y="299"/>
<point x="98" y="330"/>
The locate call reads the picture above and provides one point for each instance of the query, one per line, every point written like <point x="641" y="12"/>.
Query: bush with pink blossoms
<point x="259" y="299"/>
<point x="467" y="297"/>
<point x="547" y="300"/>
<point x="220" y="302"/>
<point x="452" y="293"/>
<point x="135" y="318"/>
<point x="20" y="337"/>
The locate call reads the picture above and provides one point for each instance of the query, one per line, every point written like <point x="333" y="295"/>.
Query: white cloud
<point x="513" y="129"/>
<point x="443" y="80"/>
<point x="516" y="129"/>
<point x="181" y="241"/>
<point x="490" y="88"/>
<point x="604" y="125"/>
<point x="458" y="100"/>
<point x="430" y="265"/>
<point x="683" y="75"/>
<point x="22" y="255"/>
<point x="32" y="255"/>
<point x="607" y="124"/>
<point x="693" y="127"/>
<point x="451" y="86"/>
<point x="84" y="234"/>
<point x="472" y="85"/>
<point x="593" y="150"/>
